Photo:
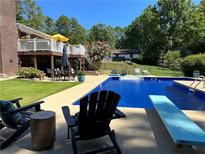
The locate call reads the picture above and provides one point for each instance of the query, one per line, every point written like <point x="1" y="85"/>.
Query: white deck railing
<point x="51" y="45"/>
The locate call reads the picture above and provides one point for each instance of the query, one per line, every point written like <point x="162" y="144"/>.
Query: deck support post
<point x="52" y="67"/>
<point x="35" y="62"/>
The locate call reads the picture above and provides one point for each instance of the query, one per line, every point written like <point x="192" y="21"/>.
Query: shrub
<point x="97" y="51"/>
<point x="192" y="63"/>
<point x="81" y="73"/>
<point x="172" y="60"/>
<point x="30" y="72"/>
<point x="137" y="60"/>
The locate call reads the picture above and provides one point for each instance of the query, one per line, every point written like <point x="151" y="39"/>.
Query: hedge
<point x="30" y="72"/>
<point x="192" y="63"/>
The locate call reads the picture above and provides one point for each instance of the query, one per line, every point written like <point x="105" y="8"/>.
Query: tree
<point x="172" y="60"/>
<point x="48" y="26"/>
<point x="132" y="35"/>
<point x="119" y="34"/>
<point x="145" y="35"/>
<point x="102" y="33"/>
<point x="19" y="12"/>
<point x="71" y="29"/>
<point x="97" y="51"/>
<point x="175" y="18"/>
<point x="151" y="40"/>
<point x="77" y="32"/>
<point x="195" y="40"/>
<point x="29" y="14"/>
<point x="62" y="25"/>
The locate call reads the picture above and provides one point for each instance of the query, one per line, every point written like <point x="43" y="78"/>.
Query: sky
<point x="89" y="12"/>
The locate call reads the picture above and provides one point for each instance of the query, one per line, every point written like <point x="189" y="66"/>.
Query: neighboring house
<point x="39" y="50"/>
<point x="124" y="54"/>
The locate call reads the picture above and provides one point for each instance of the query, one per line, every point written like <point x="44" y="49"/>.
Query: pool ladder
<point x="201" y="78"/>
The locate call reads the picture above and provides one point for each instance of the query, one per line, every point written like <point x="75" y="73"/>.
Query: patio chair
<point x="15" y="120"/>
<point x="57" y="73"/>
<point x="124" y="72"/>
<point x="48" y="72"/>
<point x="96" y="113"/>
<point x="137" y="71"/>
<point x="145" y="72"/>
<point x="114" y="72"/>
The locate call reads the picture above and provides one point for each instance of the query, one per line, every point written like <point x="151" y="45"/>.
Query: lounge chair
<point x="145" y="72"/>
<point x="124" y="72"/>
<point x="96" y="112"/>
<point x="114" y="73"/>
<point x="137" y="71"/>
<point x="48" y="72"/>
<point x="15" y="120"/>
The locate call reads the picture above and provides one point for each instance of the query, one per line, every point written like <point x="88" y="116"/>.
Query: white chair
<point x="145" y="72"/>
<point x="137" y="71"/>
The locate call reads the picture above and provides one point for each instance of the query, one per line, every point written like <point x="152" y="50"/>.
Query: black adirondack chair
<point x="10" y="132"/>
<point x="96" y="112"/>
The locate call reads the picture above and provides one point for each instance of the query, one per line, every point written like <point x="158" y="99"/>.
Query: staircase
<point x="196" y="83"/>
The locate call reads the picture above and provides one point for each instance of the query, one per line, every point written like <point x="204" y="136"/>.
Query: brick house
<point x="8" y="38"/>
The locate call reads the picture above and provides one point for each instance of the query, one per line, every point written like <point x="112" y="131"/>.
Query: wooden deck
<point x="46" y="53"/>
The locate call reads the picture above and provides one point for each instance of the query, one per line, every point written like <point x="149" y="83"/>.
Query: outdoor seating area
<point x="65" y="75"/>
<point x="15" y="119"/>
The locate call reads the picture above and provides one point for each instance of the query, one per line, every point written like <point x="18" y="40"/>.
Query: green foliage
<point x="81" y="73"/>
<point x="119" y="34"/>
<point x="192" y="63"/>
<point x="29" y="13"/>
<point x="49" y="26"/>
<point x="97" y="51"/>
<point x="169" y="25"/>
<point x="102" y="33"/>
<point x="174" y="19"/>
<point x="71" y="29"/>
<point x="172" y="60"/>
<point x="30" y="72"/>
<point x="78" y="33"/>
<point x="145" y="35"/>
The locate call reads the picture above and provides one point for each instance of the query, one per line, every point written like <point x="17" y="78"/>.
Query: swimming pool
<point x="135" y="92"/>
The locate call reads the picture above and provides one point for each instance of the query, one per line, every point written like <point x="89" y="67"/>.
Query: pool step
<point x="191" y="90"/>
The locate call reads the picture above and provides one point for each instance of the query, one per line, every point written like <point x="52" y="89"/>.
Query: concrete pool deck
<point x="141" y="132"/>
<point x="199" y="87"/>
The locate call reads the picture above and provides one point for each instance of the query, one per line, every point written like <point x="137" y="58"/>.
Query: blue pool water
<point x="135" y="93"/>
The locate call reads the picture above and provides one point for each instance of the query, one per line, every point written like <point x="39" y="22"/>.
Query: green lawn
<point x="155" y="70"/>
<point x="31" y="91"/>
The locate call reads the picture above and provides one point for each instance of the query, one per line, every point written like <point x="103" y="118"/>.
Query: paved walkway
<point x="199" y="85"/>
<point x="142" y="132"/>
<point x="8" y="78"/>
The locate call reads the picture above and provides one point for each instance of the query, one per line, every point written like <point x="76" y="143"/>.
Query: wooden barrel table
<point x="43" y="130"/>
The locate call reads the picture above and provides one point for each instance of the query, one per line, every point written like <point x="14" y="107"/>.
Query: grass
<point x="154" y="70"/>
<point x="31" y="91"/>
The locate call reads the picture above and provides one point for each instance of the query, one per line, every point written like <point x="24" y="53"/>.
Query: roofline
<point x="29" y="30"/>
<point x="125" y="51"/>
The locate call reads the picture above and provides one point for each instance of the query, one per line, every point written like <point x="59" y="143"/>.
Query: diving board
<point x="180" y="127"/>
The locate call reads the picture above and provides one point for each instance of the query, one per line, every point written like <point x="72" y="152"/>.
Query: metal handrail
<point x="203" y="79"/>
